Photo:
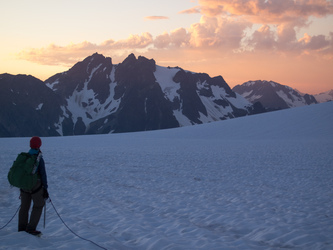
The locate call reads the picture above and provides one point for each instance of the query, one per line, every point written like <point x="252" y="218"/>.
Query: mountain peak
<point x="131" y="58"/>
<point x="273" y="95"/>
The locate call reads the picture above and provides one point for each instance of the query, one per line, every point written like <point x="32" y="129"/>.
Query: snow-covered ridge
<point x="272" y="95"/>
<point x="325" y="96"/>
<point x="164" y="76"/>
<point x="292" y="101"/>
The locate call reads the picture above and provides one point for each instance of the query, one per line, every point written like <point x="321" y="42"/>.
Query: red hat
<point x="35" y="142"/>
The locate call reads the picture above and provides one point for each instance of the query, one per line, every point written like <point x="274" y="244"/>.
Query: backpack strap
<point x="39" y="156"/>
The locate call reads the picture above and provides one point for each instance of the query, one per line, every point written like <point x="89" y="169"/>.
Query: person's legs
<point x="24" y="211"/>
<point x="37" y="209"/>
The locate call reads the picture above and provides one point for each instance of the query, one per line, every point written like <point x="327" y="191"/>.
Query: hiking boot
<point x="34" y="232"/>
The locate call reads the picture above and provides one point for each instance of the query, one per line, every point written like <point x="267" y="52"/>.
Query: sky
<point x="286" y="41"/>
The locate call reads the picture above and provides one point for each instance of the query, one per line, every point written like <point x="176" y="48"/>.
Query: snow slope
<point x="325" y="96"/>
<point x="257" y="182"/>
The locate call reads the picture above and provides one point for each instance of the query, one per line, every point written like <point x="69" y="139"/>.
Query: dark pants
<point x="24" y="223"/>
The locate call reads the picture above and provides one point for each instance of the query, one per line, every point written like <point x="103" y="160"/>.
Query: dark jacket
<point x="41" y="168"/>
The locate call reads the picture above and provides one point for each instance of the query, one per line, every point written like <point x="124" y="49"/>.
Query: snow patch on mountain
<point x="325" y="96"/>
<point x="52" y="85"/>
<point x="182" y="119"/>
<point x="249" y="83"/>
<point x="58" y="125"/>
<point x="164" y="77"/>
<point x="84" y="104"/>
<point x="39" y="107"/>
<point x="291" y="99"/>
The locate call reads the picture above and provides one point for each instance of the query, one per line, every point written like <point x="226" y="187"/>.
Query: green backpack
<point x="23" y="173"/>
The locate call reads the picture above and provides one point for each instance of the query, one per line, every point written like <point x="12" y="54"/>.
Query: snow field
<point x="237" y="184"/>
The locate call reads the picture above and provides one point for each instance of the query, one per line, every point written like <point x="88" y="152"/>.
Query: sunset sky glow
<point x="286" y="41"/>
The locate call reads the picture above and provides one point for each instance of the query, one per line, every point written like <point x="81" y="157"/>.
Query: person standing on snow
<point x="38" y="194"/>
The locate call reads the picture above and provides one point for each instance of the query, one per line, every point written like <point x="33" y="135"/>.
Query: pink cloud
<point x="70" y="54"/>
<point x="263" y="39"/>
<point x="218" y="32"/>
<point x="177" y="38"/>
<point x="268" y="11"/>
<point x="318" y="43"/>
<point x="194" y="10"/>
<point x="156" y="17"/>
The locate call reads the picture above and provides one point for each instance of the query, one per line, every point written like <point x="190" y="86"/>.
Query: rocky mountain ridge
<point x="272" y="95"/>
<point x="98" y="97"/>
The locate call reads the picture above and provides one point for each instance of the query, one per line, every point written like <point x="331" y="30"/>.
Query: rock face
<point x="28" y="107"/>
<point x="272" y="95"/>
<point x="98" y="97"/>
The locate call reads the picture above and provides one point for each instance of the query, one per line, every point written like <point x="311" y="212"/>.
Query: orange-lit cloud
<point x="194" y="10"/>
<point x="279" y="20"/>
<point x="67" y="55"/>
<point x="177" y="38"/>
<point x="156" y="17"/>
<point x="218" y="32"/>
<point x="268" y="11"/>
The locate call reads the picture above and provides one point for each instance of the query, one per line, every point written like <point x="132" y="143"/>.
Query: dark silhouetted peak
<point x="131" y="59"/>
<point x="91" y="73"/>
<point x="272" y="95"/>
<point x="29" y="107"/>
<point x="149" y="64"/>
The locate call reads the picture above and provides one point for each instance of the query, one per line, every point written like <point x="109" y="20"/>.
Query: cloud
<point x="268" y="11"/>
<point x="263" y="39"/>
<point x="225" y="27"/>
<point x="133" y="41"/>
<point x="194" y="10"/>
<point x="57" y="55"/>
<point x="318" y="43"/>
<point x="278" y="23"/>
<point x="218" y="32"/>
<point x="72" y="53"/>
<point x="156" y="18"/>
<point x="177" y="38"/>
<point x="210" y="33"/>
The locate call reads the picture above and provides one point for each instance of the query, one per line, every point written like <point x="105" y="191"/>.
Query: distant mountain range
<point x="98" y="97"/>
<point x="272" y="95"/>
